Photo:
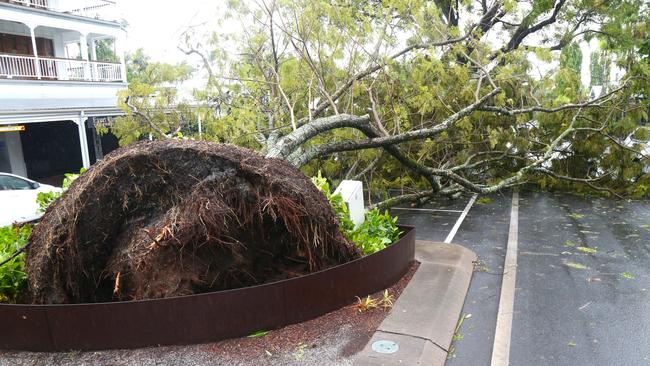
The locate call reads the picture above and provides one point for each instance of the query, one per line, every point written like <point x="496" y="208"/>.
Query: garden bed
<point x="205" y="317"/>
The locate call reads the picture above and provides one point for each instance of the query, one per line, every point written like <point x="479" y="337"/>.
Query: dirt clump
<point x="169" y="218"/>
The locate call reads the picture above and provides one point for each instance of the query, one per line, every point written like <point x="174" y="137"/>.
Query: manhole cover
<point x="385" y="347"/>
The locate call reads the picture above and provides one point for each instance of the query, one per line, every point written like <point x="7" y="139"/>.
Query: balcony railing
<point x="24" y="67"/>
<point x="42" y="4"/>
<point x="98" y="9"/>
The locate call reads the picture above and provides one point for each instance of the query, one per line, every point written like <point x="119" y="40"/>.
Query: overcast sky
<point x="155" y="25"/>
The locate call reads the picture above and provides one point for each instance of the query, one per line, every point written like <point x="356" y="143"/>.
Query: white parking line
<point x="454" y="229"/>
<point x="424" y="209"/>
<point x="503" y="331"/>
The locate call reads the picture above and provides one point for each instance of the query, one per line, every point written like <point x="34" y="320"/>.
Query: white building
<point x="54" y="84"/>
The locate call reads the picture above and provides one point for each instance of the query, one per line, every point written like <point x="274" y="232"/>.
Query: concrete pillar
<point x="16" y="158"/>
<point x="37" y="63"/>
<point x="83" y="140"/>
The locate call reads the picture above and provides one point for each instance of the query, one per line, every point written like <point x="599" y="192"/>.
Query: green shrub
<point x="12" y="273"/>
<point x="376" y="233"/>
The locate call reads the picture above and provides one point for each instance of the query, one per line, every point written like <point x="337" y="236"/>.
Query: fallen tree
<point x="168" y="218"/>
<point x="437" y="97"/>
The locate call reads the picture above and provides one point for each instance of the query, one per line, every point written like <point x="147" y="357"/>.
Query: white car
<point x="18" y="198"/>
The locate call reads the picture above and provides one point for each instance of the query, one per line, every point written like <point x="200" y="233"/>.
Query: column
<point x="119" y="51"/>
<point x="93" y="49"/>
<point x="37" y="63"/>
<point x="83" y="140"/>
<point x="93" y="57"/>
<point x="84" y="56"/>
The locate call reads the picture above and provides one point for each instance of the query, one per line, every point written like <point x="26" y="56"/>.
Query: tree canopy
<point x="434" y="97"/>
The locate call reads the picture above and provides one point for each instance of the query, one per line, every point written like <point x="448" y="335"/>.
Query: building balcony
<point x="47" y="68"/>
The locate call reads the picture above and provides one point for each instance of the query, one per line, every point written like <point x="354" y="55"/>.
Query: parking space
<point x="583" y="274"/>
<point x="582" y="287"/>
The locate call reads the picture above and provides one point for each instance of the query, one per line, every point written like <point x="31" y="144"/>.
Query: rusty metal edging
<point x="205" y="317"/>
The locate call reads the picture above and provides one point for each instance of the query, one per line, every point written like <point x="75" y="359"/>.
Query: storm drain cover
<point x="385" y="347"/>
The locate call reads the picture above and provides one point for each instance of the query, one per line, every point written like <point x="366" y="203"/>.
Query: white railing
<point x="104" y="71"/>
<point x="43" y="4"/>
<point x="17" y="66"/>
<point x="13" y="66"/>
<point x="61" y="69"/>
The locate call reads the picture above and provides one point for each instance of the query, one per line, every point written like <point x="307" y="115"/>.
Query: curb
<point x="424" y="318"/>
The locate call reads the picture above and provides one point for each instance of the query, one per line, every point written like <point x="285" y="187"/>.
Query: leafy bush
<point x="12" y="273"/>
<point x="45" y="199"/>
<point x="376" y="233"/>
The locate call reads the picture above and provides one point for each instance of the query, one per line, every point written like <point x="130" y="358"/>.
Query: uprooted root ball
<point x="169" y="218"/>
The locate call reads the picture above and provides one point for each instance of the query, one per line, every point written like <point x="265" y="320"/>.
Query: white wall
<point x="33" y="95"/>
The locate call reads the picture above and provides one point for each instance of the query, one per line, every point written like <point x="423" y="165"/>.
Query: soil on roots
<point x="169" y="218"/>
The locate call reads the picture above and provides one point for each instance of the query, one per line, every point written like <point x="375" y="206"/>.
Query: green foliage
<point x="12" y="273"/>
<point x="571" y="58"/>
<point x="104" y="50"/>
<point x="598" y="67"/>
<point x="274" y="76"/>
<point x="45" y="199"/>
<point x="152" y="92"/>
<point x="259" y="333"/>
<point x="377" y="231"/>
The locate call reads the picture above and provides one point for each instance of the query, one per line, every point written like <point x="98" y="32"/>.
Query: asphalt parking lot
<point x="583" y="272"/>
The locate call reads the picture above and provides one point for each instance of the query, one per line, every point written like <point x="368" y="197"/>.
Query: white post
<point x="200" y="126"/>
<point x="93" y="49"/>
<point x="83" y="140"/>
<point x="93" y="57"/>
<point x="84" y="56"/>
<point x="118" y="44"/>
<point x="37" y="64"/>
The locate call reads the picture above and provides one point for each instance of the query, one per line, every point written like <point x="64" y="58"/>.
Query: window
<point x="11" y="183"/>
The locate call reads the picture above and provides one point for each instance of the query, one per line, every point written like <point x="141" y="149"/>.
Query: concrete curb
<point x="424" y="318"/>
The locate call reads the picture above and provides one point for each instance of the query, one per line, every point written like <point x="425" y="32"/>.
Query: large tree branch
<point x="418" y="134"/>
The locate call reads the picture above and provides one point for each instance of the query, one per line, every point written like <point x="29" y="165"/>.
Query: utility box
<point x="352" y="193"/>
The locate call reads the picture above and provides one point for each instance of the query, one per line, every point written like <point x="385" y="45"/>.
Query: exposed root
<point x="170" y="218"/>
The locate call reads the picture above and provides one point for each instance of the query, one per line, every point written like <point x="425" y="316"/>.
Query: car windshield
<point x="13" y="183"/>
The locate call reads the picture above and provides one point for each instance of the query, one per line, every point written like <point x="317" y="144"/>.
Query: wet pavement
<point x="582" y="286"/>
<point x="582" y="280"/>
